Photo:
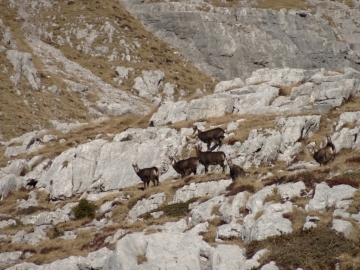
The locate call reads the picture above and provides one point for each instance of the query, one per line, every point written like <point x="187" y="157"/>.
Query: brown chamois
<point x="147" y="174"/>
<point x="325" y="154"/>
<point x="209" y="136"/>
<point x="186" y="166"/>
<point x="235" y="170"/>
<point x="210" y="158"/>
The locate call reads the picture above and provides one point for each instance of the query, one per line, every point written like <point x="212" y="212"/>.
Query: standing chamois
<point x="209" y="136"/>
<point x="147" y="174"/>
<point x="325" y="154"/>
<point x="235" y="170"/>
<point x="186" y="166"/>
<point x="210" y="158"/>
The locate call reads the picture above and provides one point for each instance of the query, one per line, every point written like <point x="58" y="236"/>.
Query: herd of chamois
<point x="187" y="166"/>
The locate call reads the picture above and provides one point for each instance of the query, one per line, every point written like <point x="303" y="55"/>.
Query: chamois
<point x="235" y="170"/>
<point x="210" y="158"/>
<point x="216" y="135"/>
<point x="325" y="154"/>
<point x="147" y="174"/>
<point x="31" y="182"/>
<point x="186" y="166"/>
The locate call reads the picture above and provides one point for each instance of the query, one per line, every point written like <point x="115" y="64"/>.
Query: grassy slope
<point x="153" y="54"/>
<point x="315" y="242"/>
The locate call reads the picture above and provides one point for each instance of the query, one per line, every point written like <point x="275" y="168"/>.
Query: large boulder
<point x="159" y="249"/>
<point x="101" y="165"/>
<point x="325" y="197"/>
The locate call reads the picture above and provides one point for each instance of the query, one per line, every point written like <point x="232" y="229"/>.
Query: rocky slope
<point x="231" y="39"/>
<point x="87" y="209"/>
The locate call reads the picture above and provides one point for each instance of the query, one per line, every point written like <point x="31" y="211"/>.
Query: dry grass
<point x="274" y="197"/>
<point x="154" y="53"/>
<point x="288" y="4"/>
<point x="141" y="258"/>
<point x="297" y="218"/>
<point x="210" y="235"/>
<point x="19" y="118"/>
<point x="354" y="207"/>
<point x="258" y="214"/>
<point x="317" y="248"/>
<point x="113" y="125"/>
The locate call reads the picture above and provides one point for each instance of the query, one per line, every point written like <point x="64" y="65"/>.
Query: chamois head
<point x="136" y="167"/>
<point x="172" y="160"/>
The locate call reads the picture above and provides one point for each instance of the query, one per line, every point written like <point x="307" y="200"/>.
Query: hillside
<point x="88" y="92"/>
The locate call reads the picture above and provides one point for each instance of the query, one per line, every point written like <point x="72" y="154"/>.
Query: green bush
<point x="84" y="209"/>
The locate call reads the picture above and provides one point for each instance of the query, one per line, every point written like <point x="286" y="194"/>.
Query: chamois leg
<point x="219" y="144"/>
<point x="208" y="145"/>
<point x="223" y="167"/>
<point x="206" y="169"/>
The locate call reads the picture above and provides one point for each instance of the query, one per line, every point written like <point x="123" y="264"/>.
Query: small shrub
<point x="141" y="258"/>
<point x="273" y="197"/>
<point x="342" y="181"/>
<point x="54" y="232"/>
<point x="353" y="160"/>
<point x="84" y="209"/>
<point x="215" y="210"/>
<point x="176" y="209"/>
<point x="309" y="179"/>
<point x="258" y="214"/>
<point x="50" y="249"/>
<point x="126" y="139"/>
<point x="241" y="188"/>
<point x="317" y="248"/>
<point x="30" y="210"/>
<point x="65" y="164"/>
<point x="354" y="207"/>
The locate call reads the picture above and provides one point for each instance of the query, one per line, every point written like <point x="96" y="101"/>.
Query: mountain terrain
<point x="91" y="88"/>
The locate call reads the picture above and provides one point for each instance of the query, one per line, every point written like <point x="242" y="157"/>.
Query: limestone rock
<point x="146" y="205"/>
<point x="204" y="211"/>
<point x="7" y="258"/>
<point x="23" y="65"/>
<point x="193" y="190"/>
<point x="156" y="253"/>
<point x="325" y="197"/>
<point x="342" y="226"/>
<point x="270" y="223"/>
<point x="229" y="231"/>
<point x="226" y="85"/>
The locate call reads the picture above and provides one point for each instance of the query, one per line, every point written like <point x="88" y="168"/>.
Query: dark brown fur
<point x="209" y="136"/>
<point x="325" y="154"/>
<point x="147" y="174"/>
<point x="210" y="158"/>
<point x="235" y="170"/>
<point x="186" y="166"/>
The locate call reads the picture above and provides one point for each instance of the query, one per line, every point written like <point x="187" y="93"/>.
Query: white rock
<point x="348" y="118"/>
<point x="310" y="222"/>
<point x="7" y="258"/>
<point x="146" y="205"/>
<point x="230" y="208"/>
<point x="326" y="197"/>
<point x="225" y="85"/>
<point x="342" y="226"/>
<point x="229" y="231"/>
<point x="157" y="253"/>
<point x="254" y="261"/>
<point x="269" y="266"/>
<point x="194" y="190"/>
<point x="270" y="223"/>
<point x="7" y="223"/>
<point x="203" y="211"/>
<point x="229" y="257"/>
